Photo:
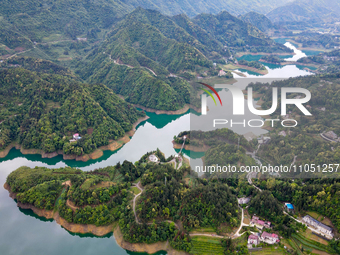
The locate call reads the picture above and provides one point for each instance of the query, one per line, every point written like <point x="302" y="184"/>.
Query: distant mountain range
<point x="142" y="54"/>
<point x="195" y="7"/>
<point x="306" y="12"/>
<point x="29" y="21"/>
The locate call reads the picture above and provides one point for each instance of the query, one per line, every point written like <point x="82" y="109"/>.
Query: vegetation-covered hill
<point x="328" y="62"/>
<point x="304" y="141"/>
<point x="234" y="32"/>
<point x="148" y="38"/>
<point x="258" y="20"/>
<point x="43" y="111"/>
<point x="103" y="196"/>
<point x="139" y="57"/>
<point x="23" y="22"/>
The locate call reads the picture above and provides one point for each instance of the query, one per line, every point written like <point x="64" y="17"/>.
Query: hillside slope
<point x="43" y="111"/>
<point x="234" y="32"/>
<point x="258" y="20"/>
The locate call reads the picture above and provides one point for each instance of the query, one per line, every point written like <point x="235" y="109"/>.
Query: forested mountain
<point x="148" y="38"/>
<point x="306" y="12"/>
<point x="258" y="20"/>
<point x="142" y="52"/>
<point x="234" y="32"/>
<point x="43" y="111"/>
<point x="23" y="22"/>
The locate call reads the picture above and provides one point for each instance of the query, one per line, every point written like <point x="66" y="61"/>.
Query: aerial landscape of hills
<point x="98" y="147"/>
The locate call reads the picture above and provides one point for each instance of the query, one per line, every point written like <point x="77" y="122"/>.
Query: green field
<point x="309" y="244"/>
<point x="269" y="251"/>
<point x="202" y="245"/>
<point x="135" y="190"/>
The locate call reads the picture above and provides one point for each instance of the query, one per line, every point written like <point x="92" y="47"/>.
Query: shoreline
<point x="97" y="231"/>
<point x="240" y="54"/>
<point x="190" y="147"/>
<point x="252" y="69"/>
<point x="284" y="63"/>
<point x="176" y="112"/>
<point x="112" y="146"/>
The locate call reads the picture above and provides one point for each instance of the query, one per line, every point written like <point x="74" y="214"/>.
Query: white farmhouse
<point x="328" y="231"/>
<point x="253" y="239"/>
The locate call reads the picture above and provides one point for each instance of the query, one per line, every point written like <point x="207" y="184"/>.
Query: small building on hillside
<point x="283" y="133"/>
<point x="221" y="73"/>
<point x="263" y="139"/>
<point x="243" y="200"/>
<point x="289" y="207"/>
<point x="269" y="238"/>
<point x="153" y="158"/>
<point x="331" y="135"/>
<point x="76" y="136"/>
<point x="253" y="239"/>
<point x="326" y="230"/>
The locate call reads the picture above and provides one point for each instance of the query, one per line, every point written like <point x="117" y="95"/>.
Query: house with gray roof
<point x="326" y="230"/>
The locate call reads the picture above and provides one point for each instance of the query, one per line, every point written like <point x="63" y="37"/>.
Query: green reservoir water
<point x="291" y="70"/>
<point x="278" y="71"/>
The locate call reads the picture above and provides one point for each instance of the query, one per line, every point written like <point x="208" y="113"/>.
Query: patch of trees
<point x="253" y="64"/>
<point x="203" y="206"/>
<point x="271" y="59"/>
<point x="215" y="137"/>
<point x="230" y="247"/>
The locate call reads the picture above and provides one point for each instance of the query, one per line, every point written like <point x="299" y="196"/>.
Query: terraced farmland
<point x="205" y="245"/>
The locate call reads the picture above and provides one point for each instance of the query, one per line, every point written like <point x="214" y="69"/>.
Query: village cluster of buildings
<point x="260" y="224"/>
<point x="269" y="238"/>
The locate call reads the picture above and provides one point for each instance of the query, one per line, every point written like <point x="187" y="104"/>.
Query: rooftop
<point x="253" y="237"/>
<point x="289" y="206"/>
<point x="318" y="223"/>
<point x="268" y="235"/>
